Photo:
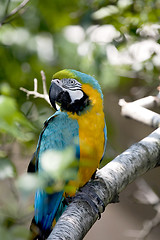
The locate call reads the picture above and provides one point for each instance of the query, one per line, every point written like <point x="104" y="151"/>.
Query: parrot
<point x="78" y="101"/>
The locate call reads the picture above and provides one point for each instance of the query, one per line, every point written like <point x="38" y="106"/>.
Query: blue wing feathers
<point x="58" y="133"/>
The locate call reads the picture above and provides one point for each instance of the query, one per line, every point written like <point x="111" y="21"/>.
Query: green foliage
<point x="7" y="169"/>
<point x="13" y="219"/>
<point x="16" y="232"/>
<point x="57" y="168"/>
<point x="12" y="122"/>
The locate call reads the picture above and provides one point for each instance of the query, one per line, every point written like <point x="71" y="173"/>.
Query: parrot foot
<point x="67" y="200"/>
<point x="93" y="200"/>
<point x="90" y="197"/>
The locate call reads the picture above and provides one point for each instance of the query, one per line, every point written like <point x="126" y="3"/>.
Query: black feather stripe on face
<point x="78" y="106"/>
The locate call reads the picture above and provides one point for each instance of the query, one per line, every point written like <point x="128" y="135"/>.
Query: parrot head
<point x="72" y="90"/>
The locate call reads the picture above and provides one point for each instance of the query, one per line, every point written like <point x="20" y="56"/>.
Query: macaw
<point x="80" y="117"/>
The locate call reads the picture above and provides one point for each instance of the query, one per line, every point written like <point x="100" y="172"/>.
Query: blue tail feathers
<point x="46" y="207"/>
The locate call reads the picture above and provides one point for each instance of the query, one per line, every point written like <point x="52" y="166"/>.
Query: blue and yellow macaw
<point x="80" y="116"/>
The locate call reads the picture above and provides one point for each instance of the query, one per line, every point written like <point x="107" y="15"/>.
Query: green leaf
<point x="28" y="183"/>
<point x="12" y="121"/>
<point x="14" y="233"/>
<point x="105" y="12"/>
<point x="56" y="163"/>
<point x="56" y="169"/>
<point x="19" y="233"/>
<point x="7" y="169"/>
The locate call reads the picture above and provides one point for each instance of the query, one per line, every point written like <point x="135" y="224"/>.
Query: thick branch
<point x="111" y="180"/>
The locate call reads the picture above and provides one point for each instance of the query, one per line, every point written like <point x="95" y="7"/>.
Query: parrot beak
<point x="54" y="93"/>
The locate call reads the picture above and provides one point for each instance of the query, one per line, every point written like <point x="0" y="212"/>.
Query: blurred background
<point x="117" y="42"/>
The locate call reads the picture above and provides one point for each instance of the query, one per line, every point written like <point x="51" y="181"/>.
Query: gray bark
<point x="79" y="217"/>
<point x="138" y="111"/>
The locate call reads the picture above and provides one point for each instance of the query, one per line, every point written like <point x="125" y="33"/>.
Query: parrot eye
<point x="71" y="84"/>
<point x="71" y="81"/>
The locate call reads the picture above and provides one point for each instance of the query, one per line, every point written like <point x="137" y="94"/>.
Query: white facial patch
<point x="75" y="95"/>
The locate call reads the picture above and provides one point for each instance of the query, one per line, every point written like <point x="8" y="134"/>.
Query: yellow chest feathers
<point x="91" y="134"/>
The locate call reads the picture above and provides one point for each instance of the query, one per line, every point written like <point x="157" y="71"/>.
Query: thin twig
<point x="17" y="9"/>
<point x="13" y="12"/>
<point x="7" y="7"/>
<point x="13" y="189"/>
<point x="146" y="195"/>
<point x="44" y="82"/>
<point x="35" y="92"/>
<point x="148" y="226"/>
<point x="35" y="84"/>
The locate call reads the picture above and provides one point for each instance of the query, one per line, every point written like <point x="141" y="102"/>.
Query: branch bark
<point x="137" y="110"/>
<point x="78" y="218"/>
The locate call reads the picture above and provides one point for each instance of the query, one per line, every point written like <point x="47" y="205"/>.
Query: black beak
<point x="54" y="93"/>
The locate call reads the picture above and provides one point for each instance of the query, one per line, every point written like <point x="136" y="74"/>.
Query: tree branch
<point x="147" y="227"/>
<point x="145" y="195"/>
<point x="137" y="110"/>
<point x="35" y="92"/>
<point x="78" y="218"/>
<point x="13" y="12"/>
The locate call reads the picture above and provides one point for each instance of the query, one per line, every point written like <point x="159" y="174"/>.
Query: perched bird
<point x="80" y="117"/>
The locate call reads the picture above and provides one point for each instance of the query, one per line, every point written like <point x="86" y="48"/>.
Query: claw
<point x="92" y="199"/>
<point x="84" y="197"/>
<point x="67" y="201"/>
<point x="88" y="196"/>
